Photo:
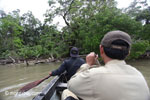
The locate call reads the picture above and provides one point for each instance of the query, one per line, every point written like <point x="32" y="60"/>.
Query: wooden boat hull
<point x="53" y="89"/>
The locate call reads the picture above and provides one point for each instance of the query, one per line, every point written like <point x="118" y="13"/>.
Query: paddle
<point x="32" y="85"/>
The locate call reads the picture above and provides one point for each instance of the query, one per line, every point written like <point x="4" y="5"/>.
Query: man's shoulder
<point x="67" y="59"/>
<point x="100" y="69"/>
<point x="94" y="69"/>
<point x="81" y="59"/>
<point x="71" y="60"/>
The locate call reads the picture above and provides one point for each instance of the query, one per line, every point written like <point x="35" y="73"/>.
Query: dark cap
<point x="115" y="35"/>
<point x="74" y="52"/>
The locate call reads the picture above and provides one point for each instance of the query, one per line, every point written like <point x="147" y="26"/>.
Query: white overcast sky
<point x="38" y="7"/>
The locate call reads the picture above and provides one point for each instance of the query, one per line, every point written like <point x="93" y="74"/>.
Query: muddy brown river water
<point x="13" y="77"/>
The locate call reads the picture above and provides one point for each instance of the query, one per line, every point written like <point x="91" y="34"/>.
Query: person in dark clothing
<point x="70" y="65"/>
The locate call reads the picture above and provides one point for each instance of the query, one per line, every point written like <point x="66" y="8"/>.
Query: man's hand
<point x="50" y="73"/>
<point x="91" y="58"/>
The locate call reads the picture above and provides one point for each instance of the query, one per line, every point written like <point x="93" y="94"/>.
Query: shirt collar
<point x="116" y="62"/>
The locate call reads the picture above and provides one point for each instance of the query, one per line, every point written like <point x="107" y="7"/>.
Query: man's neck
<point x="107" y="59"/>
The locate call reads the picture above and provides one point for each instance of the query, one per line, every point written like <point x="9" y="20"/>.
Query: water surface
<point x="13" y="77"/>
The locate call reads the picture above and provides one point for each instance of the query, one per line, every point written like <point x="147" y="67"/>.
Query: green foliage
<point x="144" y="16"/>
<point x="138" y="48"/>
<point x="17" y="42"/>
<point x="31" y="32"/>
<point x="87" y="21"/>
<point x="91" y="30"/>
<point x="10" y="30"/>
<point x="146" y="32"/>
<point x="139" y="10"/>
<point x="8" y="54"/>
<point x="52" y="42"/>
<point x="26" y="52"/>
<point x="37" y="50"/>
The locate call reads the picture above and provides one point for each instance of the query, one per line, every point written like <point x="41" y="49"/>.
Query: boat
<point x="53" y="90"/>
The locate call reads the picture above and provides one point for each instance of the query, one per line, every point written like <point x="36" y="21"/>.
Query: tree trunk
<point x="27" y="63"/>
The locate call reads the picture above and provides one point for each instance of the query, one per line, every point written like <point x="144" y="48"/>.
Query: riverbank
<point x="34" y="61"/>
<point x="28" y="62"/>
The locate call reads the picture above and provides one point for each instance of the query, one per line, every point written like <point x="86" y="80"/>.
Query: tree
<point x="32" y="28"/>
<point x="76" y="11"/>
<point x="10" y="31"/>
<point x="87" y="21"/>
<point x="138" y="48"/>
<point x="139" y="10"/>
<point x="52" y="42"/>
<point x="144" y="16"/>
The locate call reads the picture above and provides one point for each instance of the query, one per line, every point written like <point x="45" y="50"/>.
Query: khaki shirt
<point x="114" y="81"/>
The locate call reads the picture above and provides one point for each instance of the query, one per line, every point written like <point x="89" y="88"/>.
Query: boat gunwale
<point x="49" y="90"/>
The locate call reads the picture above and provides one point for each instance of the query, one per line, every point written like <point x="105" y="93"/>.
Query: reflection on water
<point x="12" y="78"/>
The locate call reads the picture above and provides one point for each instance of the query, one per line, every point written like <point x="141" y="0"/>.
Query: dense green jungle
<point x="24" y="37"/>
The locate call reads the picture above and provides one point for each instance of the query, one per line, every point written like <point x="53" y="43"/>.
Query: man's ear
<point x="128" y="53"/>
<point x="101" y="50"/>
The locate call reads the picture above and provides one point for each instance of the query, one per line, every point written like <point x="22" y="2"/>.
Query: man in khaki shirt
<point x="116" y="80"/>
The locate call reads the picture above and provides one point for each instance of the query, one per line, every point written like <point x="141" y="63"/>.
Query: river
<point x="13" y="77"/>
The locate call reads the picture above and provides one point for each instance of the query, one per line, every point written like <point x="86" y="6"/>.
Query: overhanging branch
<point x="65" y="14"/>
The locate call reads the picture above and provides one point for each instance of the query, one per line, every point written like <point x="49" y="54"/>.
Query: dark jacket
<point x="70" y="66"/>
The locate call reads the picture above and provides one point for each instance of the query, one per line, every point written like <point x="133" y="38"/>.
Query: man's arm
<point x="91" y="62"/>
<point x="59" y="71"/>
<point x="80" y="83"/>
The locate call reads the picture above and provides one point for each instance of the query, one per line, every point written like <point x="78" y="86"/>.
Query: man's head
<point x="74" y="52"/>
<point x="116" y="44"/>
